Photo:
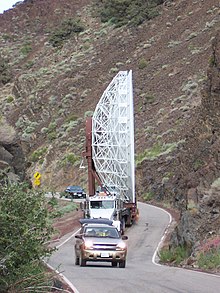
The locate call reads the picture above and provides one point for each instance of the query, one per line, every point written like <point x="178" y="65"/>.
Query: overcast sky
<point x="6" y="4"/>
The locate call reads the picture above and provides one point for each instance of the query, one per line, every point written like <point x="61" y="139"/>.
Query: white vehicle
<point x="104" y="207"/>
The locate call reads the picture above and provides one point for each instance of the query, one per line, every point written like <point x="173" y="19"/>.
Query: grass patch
<point x="59" y="209"/>
<point x="174" y="255"/>
<point x="71" y="117"/>
<point x="38" y="154"/>
<point x="148" y="196"/>
<point x="210" y="259"/>
<point x="70" y="159"/>
<point x="157" y="150"/>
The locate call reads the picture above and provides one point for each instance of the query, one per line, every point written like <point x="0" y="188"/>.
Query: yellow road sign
<point x="37" y="182"/>
<point x="37" y="175"/>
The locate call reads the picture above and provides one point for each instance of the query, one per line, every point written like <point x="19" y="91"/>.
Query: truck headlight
<point x="121" y="245"/>
<point x="88" y="244"/>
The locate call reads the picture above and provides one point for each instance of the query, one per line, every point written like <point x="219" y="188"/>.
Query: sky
<point x="6" y="4"/>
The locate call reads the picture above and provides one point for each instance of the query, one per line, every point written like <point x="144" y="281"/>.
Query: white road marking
<point x="65" y="279"/>
<point x="153" y="258"/>
<point x="161" y="241"/>
<point x="65" y="241"/>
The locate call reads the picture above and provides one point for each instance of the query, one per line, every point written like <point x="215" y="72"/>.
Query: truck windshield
<point x="99" y="204"/>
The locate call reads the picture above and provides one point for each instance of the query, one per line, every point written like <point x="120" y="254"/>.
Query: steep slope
<point x="47" y="92"/>
<point x="198" y="180"/>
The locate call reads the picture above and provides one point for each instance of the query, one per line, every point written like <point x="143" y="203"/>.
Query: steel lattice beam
<point x="113" y="136"/>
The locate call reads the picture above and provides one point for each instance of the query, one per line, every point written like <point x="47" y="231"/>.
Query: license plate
<point x="104" y="254"/>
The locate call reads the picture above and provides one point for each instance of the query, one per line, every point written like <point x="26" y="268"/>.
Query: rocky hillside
<point x="49" y="85"/>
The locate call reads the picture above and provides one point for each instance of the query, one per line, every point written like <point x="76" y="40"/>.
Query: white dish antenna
<point x="113" y="136"/>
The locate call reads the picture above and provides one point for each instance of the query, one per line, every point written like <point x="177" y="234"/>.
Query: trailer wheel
<point x="114" y="263"/>
<point x="122" y="264"/>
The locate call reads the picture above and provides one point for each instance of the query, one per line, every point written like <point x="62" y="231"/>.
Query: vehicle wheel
<point x="122" y="264"/>
<point x="76" y="261"/>
<point x="114" y="263"/>
<point x="123" y="226"/>
<point x="129" y="221"/>
<point x="82" y="262"/>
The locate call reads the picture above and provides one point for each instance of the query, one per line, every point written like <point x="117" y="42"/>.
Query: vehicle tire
<point x="82" y="262"/>
<point x="76" y="261"/>
<point x="114" y="263"/>
<point x="122" y="264"/>
<point x="122" y="226"/>
<point x="129" y="221"/>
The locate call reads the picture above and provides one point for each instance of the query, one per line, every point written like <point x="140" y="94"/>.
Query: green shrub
<point x="157" y="150"/>
<point x="212" y="60"/>
<point x="197" y="164"/>
<point x="70" y="158"/>
<point x="29" y="129"/>
<point x="26" y="49"/>
<point x="44" y="130"/>
<point x="88" y="114"/>
<point x="67" y="28"/>
<point x="29" y="64"/>
<point x="123" y="12"/>
<point x="149" y="98"/>
<point x="5" y="72"/>
<point x="148" y="196"/>
<point x="26" y="136"/>
<point x="7" y="37"/>
<point x="24" y="230"/>
<point x="60" y="211"/>
<point x="52" y="135"/>
<point x="173" y="255"/>
<point x="71" y="117"/>
<point x="38" y="154"/>
<point x="142" y="63"/>
<point x="10" y="99"/>
<point x="51" y="131"/>
<point x="210" y="259"/>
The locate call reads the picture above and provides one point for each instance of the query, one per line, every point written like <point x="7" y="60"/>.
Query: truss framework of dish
<point x="113" y="136"/>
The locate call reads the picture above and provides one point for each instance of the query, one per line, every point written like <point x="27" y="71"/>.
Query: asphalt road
<point x="142" y="273"/>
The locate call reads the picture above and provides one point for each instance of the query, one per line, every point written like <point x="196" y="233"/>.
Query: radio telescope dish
<point x="113" y="136"/>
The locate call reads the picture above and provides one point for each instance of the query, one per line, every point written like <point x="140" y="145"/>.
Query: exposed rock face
<point x="50" y="92"/>
<point x="201" y="163"/>
<point x="12" y="160"/>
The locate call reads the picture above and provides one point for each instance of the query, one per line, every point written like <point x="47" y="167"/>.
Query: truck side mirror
<point x="78" y="236"/>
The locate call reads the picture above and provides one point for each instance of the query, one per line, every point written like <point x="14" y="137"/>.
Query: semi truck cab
<point x="104" y="207"/>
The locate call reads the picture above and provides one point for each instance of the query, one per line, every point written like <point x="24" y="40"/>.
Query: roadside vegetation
<point x="207" y="256"/>
<point x="60" y="208"/>
<point x="25" y="233"/>
<point x="173" y="255"/>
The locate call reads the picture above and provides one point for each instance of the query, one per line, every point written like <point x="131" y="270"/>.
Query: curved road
<point x="141" y="274"/>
